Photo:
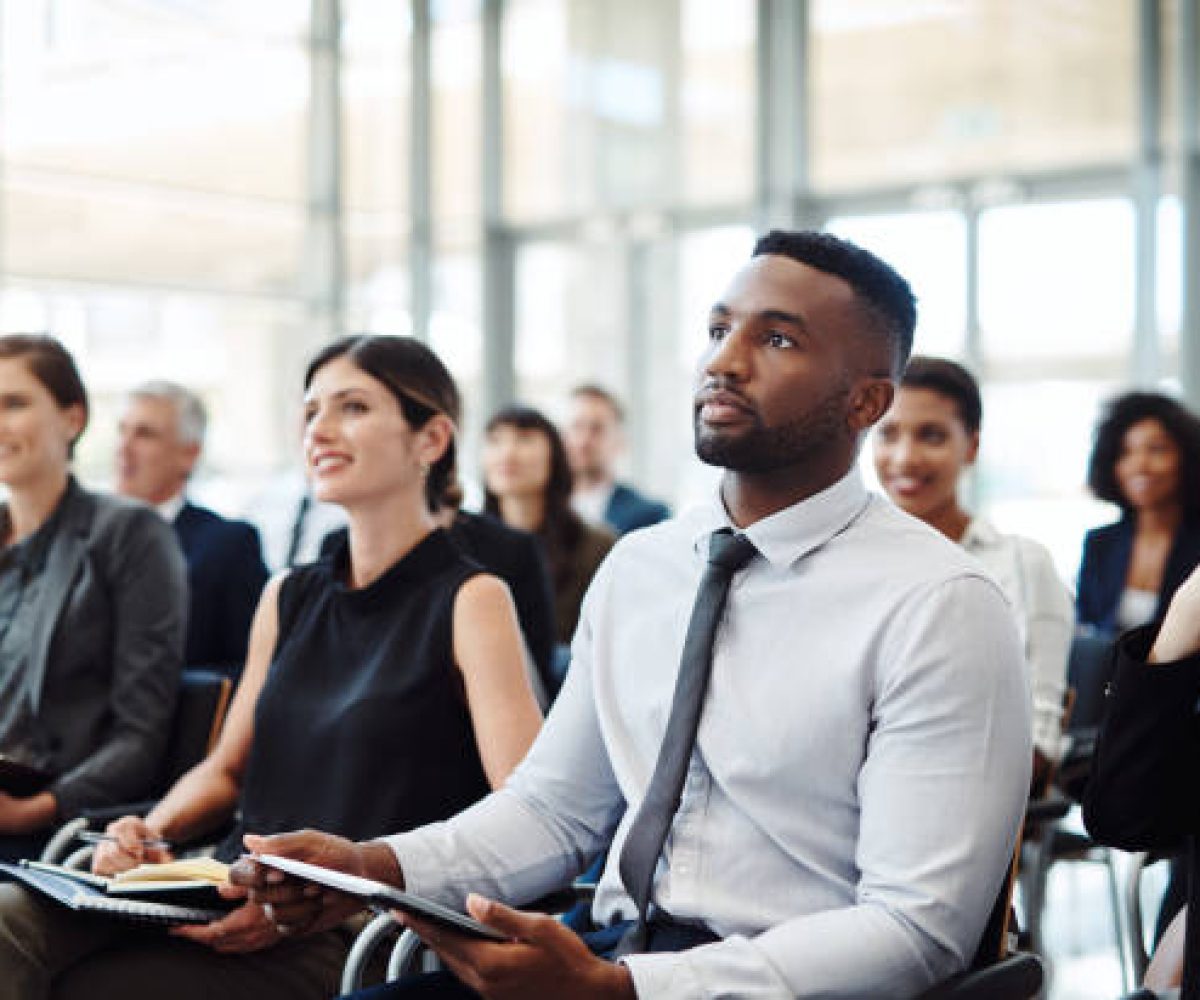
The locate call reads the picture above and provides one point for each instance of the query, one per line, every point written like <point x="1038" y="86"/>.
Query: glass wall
<point x="967" y="88"/>
<point x="153" y="204"/>
<point x="177" y="199"/>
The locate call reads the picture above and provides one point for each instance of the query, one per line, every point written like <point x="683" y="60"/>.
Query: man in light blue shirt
<point x="860" y="770"/>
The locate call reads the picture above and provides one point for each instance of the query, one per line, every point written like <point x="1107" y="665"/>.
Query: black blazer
<point x="627" y="510"/>
<point x="1144" y="789"/>
<point x="226" y="574"/>
<point x="107" y="649"/>
<point x="1105" y="566"/>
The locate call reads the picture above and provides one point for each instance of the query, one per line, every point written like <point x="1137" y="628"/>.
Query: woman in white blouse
<point x="928" y="439"/>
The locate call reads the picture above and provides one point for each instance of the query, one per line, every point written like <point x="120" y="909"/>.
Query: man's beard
<point x="764" y="449"/>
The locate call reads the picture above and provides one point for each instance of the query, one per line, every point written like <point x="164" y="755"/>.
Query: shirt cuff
<point x="662" y="975"/>
<point x="418" y="865"/>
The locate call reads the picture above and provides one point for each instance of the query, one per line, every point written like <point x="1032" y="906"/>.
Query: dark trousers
<point x="443" y="986"/>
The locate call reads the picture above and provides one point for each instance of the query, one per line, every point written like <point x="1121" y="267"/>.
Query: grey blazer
<point x="107" y="650"/>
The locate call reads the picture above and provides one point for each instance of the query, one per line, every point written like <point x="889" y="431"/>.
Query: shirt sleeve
<point x="556" y="813"/>
<point x="1050" y="623"/>
<point x="942" y="791"/>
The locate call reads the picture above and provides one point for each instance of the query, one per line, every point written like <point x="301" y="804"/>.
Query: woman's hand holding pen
<point x="129" y="847"/>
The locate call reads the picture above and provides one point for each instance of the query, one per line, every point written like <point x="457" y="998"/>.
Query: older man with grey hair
<point x="160" y="436"/>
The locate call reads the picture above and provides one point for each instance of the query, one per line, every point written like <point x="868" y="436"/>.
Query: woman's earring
<point x="424" y="468"/>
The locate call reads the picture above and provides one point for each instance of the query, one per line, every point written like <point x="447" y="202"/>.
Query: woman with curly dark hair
<point x="1146" y="460"/>
<point x="528" y="486"/>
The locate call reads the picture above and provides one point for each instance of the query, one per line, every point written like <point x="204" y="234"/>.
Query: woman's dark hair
<point x="561" y="529"/>
<point x="422" y="386"/>
<point x="52" y="365"/>
<point x="949" y="379"/>
<point x="1122" y="413"/>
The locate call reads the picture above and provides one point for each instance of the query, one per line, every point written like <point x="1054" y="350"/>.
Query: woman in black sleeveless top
<point x="385" y="687"/>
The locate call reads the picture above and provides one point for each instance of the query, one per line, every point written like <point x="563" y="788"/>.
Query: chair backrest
<point x="995" y="973"/>
<point x="1089" y="669"/>
<point x="199" y="714"/>
<point x="995" y="943"/>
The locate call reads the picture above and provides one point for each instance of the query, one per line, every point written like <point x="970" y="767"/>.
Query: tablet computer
<point x="381" y="896"/>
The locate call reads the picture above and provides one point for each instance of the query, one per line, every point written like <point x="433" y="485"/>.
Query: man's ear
<point x="189" y="454"/>
<point x="870" y="398"/>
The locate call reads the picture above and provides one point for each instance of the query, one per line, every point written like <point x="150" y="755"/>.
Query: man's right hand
<point x="1179" y="635"/>
<point x="296" y="906"/>
<point x="129" y="849"/>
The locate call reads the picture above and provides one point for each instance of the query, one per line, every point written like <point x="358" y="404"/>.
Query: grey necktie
<point x="727" y="553"/>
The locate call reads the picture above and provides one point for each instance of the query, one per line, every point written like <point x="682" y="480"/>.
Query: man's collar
<point x="793" y="532"/>
<point x="168" y="510"/>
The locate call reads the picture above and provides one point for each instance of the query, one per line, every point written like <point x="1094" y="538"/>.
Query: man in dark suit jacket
<point x="595" y="437"/>
<point x="160" y="436"/>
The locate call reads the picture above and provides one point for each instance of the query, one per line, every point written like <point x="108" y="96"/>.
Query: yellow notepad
<point x="186" y="870"/>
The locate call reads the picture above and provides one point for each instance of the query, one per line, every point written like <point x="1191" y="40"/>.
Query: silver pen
<point x="91" y="837"/>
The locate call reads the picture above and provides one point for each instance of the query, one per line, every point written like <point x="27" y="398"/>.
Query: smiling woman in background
<point x="92" y="599"/>
<point x="1146" y="460"/>
<point x="924" y="445"/>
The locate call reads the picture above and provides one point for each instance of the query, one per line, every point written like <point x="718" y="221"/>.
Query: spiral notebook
<point x="87" y="894"/>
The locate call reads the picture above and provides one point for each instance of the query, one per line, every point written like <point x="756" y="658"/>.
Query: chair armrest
<point x="59" y="845"/>
<point x="1050" y="808"/>
<point x="381" y="929"/>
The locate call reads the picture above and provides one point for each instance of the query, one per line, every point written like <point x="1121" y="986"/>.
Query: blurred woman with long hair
<point x="528" y="486"/>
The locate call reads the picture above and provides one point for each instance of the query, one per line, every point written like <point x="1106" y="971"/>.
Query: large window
<point x="1056" y="283"/>
<point x="929" y="91"/>
<point x="930" y="250"/>
<point x="626" y="104"/>
<point x="154" y="210"/>
<point x="375" y="92"/>
<point x="177" y="199"/>
<point x="160" y="144"/>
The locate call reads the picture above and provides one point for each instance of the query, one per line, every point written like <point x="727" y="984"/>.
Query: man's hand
<point x="1179" y="635"/>
<point x="245" y="929"/>
<point x="129" y="849"/>
<point x="543" y="959"/>
<point x="296" y="906"/>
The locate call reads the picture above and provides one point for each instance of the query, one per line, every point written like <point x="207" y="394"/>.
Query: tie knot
<point x="730" y="551"/>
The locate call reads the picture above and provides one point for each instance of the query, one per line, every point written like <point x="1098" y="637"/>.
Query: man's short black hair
<point x="885" y="296"/>
<point x="1122" y="413"/>
<point x="950" y="379"/>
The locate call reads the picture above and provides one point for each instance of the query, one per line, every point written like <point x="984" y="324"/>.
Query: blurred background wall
<point x="555" y="190"/>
